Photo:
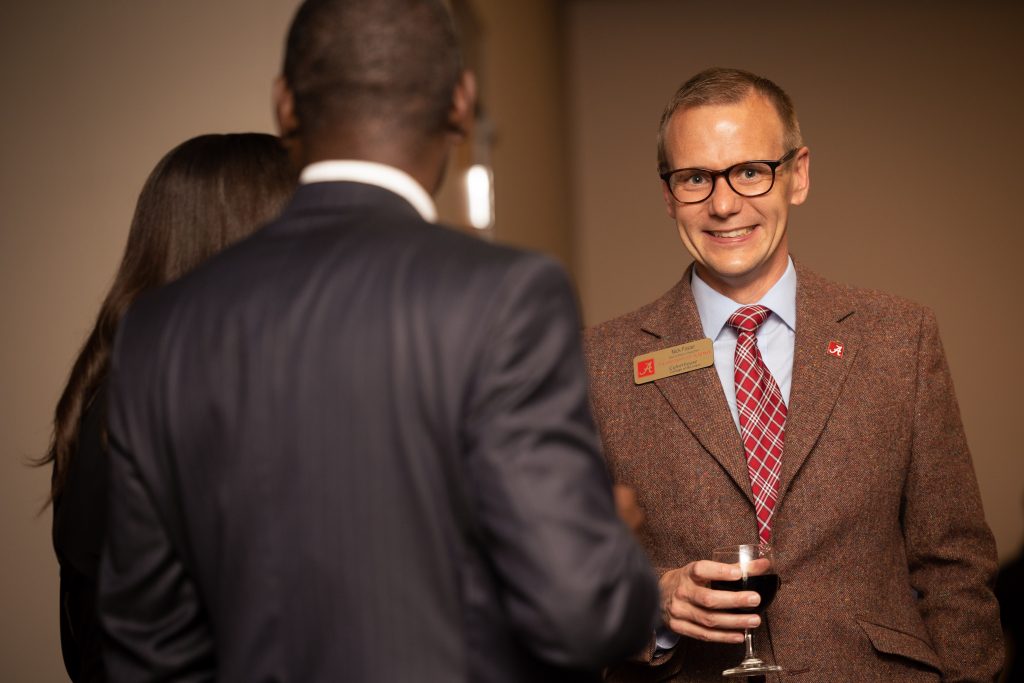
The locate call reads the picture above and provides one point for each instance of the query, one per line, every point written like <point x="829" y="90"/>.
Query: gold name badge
<point x="674" y="360"/>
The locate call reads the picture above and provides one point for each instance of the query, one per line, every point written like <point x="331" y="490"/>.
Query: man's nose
<point x="723" y="201"/>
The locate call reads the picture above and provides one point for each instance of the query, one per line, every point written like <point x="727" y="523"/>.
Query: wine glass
<point x="754" y="577"/>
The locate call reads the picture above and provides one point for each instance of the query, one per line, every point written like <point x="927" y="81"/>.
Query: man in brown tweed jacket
<point x="877" y="528"/>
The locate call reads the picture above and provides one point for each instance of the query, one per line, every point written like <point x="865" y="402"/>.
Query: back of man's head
<point x="387" y="64"/>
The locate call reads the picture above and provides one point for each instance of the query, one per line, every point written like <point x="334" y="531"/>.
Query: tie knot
<point x="749" y="318"/>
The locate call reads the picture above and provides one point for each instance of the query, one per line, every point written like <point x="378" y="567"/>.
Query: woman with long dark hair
<point x="205" y="194"/>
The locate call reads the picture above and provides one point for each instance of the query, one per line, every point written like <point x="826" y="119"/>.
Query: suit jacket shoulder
<point x="872" y="307"/>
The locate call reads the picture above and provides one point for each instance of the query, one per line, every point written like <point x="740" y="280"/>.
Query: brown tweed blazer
<point x="880" y="539"/>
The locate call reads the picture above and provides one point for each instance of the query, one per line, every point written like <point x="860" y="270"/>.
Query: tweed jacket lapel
<point x="696" y="397"/>
<point x="824" y="314"/>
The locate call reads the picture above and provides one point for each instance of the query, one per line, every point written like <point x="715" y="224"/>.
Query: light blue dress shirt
<point x="776" y="339"/>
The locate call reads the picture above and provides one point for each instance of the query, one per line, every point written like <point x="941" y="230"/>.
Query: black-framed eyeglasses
<point x="747" y="179"/>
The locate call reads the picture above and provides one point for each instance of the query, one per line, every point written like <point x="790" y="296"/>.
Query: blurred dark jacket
<point x="357" y="447"/>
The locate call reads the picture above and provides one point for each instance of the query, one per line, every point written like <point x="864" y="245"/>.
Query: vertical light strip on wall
<point x="480" y="193"/>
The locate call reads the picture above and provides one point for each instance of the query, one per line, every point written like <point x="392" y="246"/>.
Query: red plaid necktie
<point x="762" y="415"/>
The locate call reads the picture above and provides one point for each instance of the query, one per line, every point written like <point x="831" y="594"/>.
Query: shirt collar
<point x="714" y="308"/>
<point x="372" y="173"/>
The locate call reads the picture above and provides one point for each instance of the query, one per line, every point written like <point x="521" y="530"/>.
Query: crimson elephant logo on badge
<point x="645" y="368"/>
<point x="835" y="348"/>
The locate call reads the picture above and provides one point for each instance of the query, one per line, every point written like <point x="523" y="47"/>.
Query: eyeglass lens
<point x="749" y="179"/>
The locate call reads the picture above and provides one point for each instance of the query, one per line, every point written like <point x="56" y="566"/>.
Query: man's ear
<point x="284" y="110"/>
<point x="801" y="177"/>
<point x="287" y="121"/>
<point x="462" y="111"/>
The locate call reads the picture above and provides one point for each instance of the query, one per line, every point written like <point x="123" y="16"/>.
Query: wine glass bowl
<point x="757" y="573"/>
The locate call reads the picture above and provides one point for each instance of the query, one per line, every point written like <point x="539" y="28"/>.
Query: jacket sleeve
<point x="950" y="550"/>
<point x="576" y="586"/>
<point x="149" y="606"/>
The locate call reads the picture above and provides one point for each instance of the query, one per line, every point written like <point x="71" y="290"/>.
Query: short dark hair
<point x="205" y="194"/>
<point x="392" y="62"/>
<point x="720" y="85"/>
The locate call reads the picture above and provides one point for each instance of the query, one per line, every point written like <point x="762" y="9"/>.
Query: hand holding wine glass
<point x="692" y="607"/>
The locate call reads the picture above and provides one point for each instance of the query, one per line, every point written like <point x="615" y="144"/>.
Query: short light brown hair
<point x="728" y="86"/>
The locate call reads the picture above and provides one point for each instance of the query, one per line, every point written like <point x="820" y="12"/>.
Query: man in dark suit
<point x="358" y="446"/>
<point x="816" y="418"/>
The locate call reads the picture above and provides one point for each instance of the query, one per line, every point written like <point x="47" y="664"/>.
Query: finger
<point x="710" y="635"/>
<point x="708" y="598"/>
<point x="706" y="570"/>
<point x="627" y="506"/>
<point x="624" y="495"/>
<point x="759" y="566"/>
<point x="709" y="617"/>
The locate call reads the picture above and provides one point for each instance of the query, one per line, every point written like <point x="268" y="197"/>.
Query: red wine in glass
<point x="765" y="585"/>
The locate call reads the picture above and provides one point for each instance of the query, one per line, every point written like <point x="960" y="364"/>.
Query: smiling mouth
<point x="738" y="232"/>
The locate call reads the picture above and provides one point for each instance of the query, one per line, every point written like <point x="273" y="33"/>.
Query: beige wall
<point x="94" y="94"/>
<point x="913" y="115"/>
<point x="523" y="91"/>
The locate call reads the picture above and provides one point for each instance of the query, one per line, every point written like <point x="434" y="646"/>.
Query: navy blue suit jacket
<point x="357" y="446"/>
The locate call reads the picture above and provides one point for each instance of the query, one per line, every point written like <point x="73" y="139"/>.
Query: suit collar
<point x="338" y="197"/>
<point x="372" y="173"/>
<point x="715" y="308"/>
<point x="824" y="314"/>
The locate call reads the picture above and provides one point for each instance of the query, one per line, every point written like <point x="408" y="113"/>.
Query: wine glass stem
<point x="750" y="660"/>
<point x="748" y="639"/>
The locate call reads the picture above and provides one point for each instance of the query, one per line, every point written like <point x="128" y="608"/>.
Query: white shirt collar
<point x="714" y="308"/>
<point x="372" y="173"/>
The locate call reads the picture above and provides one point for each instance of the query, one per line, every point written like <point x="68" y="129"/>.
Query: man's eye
<point x="751" y="173"/>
